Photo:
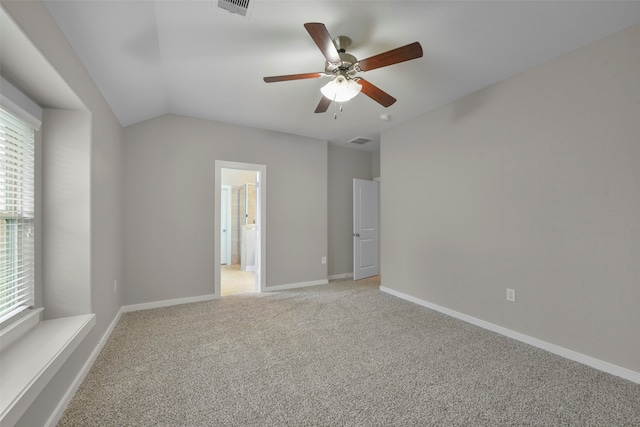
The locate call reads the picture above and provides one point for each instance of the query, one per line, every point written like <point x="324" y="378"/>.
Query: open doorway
<point x="238" y="231"/>
<point x="240" y="228"/>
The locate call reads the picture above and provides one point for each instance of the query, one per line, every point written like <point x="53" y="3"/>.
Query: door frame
<point x="261" y="222"/>
<point x="227" y="237"/>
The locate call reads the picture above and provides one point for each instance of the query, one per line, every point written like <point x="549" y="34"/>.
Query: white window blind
<point x="16" y="215"/>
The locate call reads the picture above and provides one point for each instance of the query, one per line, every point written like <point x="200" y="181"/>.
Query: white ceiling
<point x="191" y="58"/>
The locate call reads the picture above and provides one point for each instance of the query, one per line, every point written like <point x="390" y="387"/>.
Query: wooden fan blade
<point x="323" y="105"/>
<point x="320" y="35"/>
<point x="292" y="77"/>
<point x="394" y="56"/>
<point x="375" y="93"/>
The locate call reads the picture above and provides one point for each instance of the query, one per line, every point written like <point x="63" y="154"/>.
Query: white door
<point x="225" y="224"/>
<point x="365" y="229"/>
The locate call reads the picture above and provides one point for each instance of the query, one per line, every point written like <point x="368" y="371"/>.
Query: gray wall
<point x="66" y="232"/>
<point x="375" y="159"/>
<point x="344" y="164"/>
<point x="98" y="202"/>
<point x="531" y="184"/>
<point x="169" y="199"/>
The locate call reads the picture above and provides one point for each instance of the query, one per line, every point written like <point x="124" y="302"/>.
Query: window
<point x="17" y="141"/>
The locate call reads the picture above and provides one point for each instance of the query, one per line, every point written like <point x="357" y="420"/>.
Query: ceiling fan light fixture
<point x="341" y="89"/>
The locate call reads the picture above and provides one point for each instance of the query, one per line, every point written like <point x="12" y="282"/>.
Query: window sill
<point x="20" y="327"/>
<point x="28" y="364"/>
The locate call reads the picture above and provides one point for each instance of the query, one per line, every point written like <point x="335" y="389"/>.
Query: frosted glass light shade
<point x="340" y="89"/>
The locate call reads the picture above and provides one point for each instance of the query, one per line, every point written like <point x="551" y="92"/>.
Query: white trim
<point x="598" y="364"/>
<point x="296" y="285"/>
<point x="166" y="303"/>
<point x="340" y="276"/>
<point x="14" y="330"/>
<point x="30" y="363"/>
<point x="71" y="391"/>
<point x="20" y="104"/>
<point x="228" y="202"/>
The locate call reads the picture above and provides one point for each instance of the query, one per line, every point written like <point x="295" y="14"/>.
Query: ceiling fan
<point x="343" y="68"/>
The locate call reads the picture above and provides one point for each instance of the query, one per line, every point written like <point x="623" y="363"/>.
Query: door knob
<point x="356" y="234"/>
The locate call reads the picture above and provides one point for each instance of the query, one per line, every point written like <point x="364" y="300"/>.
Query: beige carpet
<point x="342" y="354"/>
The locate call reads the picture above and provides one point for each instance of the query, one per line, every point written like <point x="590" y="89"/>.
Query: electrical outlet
<point x="115" y="286"/>
<point x="324" y="259"/>
<point x="511" y="295"/>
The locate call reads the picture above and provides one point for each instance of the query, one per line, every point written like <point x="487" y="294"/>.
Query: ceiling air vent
<point x="240" y="7"/>
<point x="360" y="140"/>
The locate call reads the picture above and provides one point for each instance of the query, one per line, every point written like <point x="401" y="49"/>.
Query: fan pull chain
<point x="335" y="113"/>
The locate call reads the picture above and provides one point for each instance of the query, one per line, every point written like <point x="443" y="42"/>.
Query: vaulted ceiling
<point x="193" y="58"/>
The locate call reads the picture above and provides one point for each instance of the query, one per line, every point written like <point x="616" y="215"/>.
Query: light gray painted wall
<point x="531" y="184"/>
<point x="66" y="233"/>
<point x="102" y="187"/>
<point x="169" y="199"/>
<point x="375" y="159"/>
<point x="344" y="165"/>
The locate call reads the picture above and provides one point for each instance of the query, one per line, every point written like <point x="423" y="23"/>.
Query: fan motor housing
<point x="347" y="60"/>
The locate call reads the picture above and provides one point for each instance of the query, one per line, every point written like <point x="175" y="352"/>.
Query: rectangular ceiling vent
<point x="239" y="7"/>
<point x="360" y="140"/>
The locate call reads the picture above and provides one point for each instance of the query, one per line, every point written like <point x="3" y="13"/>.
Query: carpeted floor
<point x="342" y="354"/>
<point x="236" y="281"/>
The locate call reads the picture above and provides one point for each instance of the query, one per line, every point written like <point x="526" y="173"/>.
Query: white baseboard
<point x="341" y="276"/>
<point x="166" y="303"/>
<point x="66" y="399"/>
<point x="296" y="285"/>
<point x="552" y="348"/>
